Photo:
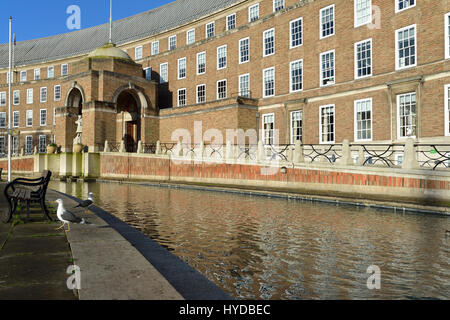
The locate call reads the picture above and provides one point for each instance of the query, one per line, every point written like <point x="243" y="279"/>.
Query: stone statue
<point x="79" y="123"/>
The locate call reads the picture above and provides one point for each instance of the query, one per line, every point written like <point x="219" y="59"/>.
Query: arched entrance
<point x="75" y="101"/>
<point x="73" y="110"/>
<point x="129" y="119"/>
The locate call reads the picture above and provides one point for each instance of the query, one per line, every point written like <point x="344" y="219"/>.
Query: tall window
<point x="138" y="53"/>
<point x="172" y="42"/>
<point x="2" y="119"/>
<point x="29" y="119"/>
<point x="65" y="68"/>
<point x="244" y="50"/>
<point x="269" y="82"/>
<point x="44" y="94"/>
<point x="253" y="13"/>
<point x="201" y="93"/>
<point x="407" y="116"/>
<point x="29" y="145"/>
<point x="37" y="74"/>
<point x="278" y="5"/>
<point x="447" y="36"/>
<point x="16" y="119"/>
<point x="327" y="74"/>
<point x="326" y="133"/>
<point x="148" y="73"/>
<point x="363" y="12"/>
<point x="2" y="99"/>
<point x="405" y="47"/>
<point x="181" y="68"/>
<point x="54" y="116"/>
<point x="231" y="21"/>
<point x="57" y="93"/>
<point x="363" y="59"/>
<point x="164" y="73"/>
<point x="401" y="5"/>
<point x="42" y="144"/>
<point x="155" y="47"/>
<point x="268" y="128"/>
<point x="296" y="126"/>
<point x="23" y="76"/>
<point x="296" y="32"/>
<point x="221" y="57"/>
<point x="51" y="72"/>
<point x="221" y="89"/>
<point x="43" y="117"/>
<point x="269" y="42"/>
<point x="363" y="120"/>
<point x="210" y="30"/>
<point x="244" y="85"/>
<point x="296" y="71"/>
<point x="30" y="96"/>
<point x="447" y="109"/>
<point x="15" y="143"/>
<point x="16" y="97"/>
<point x="201" y="63"/>
<point x="327" y="22"/>
<point x="190" y="36"/>
<point x="2" y="145"/>
<point x="182" y="97"/>
<point x="9" y="77"/>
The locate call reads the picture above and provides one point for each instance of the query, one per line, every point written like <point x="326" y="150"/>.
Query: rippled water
<point x="260" y="248"/>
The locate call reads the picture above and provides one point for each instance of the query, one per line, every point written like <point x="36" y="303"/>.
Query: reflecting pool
<point x="261" y="248"/>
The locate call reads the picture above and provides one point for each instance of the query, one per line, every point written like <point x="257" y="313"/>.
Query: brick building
<point x="319" y="71"/>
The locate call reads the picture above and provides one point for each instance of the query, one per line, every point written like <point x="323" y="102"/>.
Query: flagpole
<point x="110" y="21"/>
<point x="9" y="100"/>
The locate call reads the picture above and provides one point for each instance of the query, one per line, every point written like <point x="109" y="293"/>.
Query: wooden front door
<point x="130" y="137"/>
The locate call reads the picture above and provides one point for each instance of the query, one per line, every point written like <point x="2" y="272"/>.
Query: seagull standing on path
<point x="87" y="203"/>
<point x="67" y="217"/>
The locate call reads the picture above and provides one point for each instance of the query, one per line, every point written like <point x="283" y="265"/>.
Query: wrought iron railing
<point x="429" y="156"/>
<point x="318" y="153"/>
<point x="388" y="155"/>
<point x="433" y="155"/>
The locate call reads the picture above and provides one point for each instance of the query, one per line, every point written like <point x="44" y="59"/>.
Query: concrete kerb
<point x="188" y="282"/>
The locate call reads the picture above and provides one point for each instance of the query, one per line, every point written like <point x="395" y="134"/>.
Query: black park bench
<point x="27" y="191"/>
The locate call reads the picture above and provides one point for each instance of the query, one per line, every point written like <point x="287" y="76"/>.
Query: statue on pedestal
<point x="79" y="123"/>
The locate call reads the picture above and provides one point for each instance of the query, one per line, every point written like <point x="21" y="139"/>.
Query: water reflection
<point x="259" y="248"/>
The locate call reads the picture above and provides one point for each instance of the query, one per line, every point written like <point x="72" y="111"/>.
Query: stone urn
<point x="77" y="148"/>
<point x="51" y="148"/>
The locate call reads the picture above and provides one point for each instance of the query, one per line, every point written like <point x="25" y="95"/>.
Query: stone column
<point x="298" y="153"/>
<point x="410" y="156"/>
<point x="346" y="159"/>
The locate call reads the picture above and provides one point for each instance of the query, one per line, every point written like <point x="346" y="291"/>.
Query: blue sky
<point x="37" y="19"/>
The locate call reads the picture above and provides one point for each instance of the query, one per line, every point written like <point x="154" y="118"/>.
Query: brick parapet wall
<point x="19" y="165"/>
<point x="423" y="186"/>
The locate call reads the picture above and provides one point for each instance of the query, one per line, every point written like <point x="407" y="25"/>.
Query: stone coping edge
<point x="190" y="283"/>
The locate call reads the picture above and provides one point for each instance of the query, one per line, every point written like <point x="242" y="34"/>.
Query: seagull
<point x="67" y="217"/>
<point x="87" y="203"/>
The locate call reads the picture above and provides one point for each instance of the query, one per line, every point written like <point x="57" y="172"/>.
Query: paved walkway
<point x="34" y="259"/>
<point x="111" y="268"/>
